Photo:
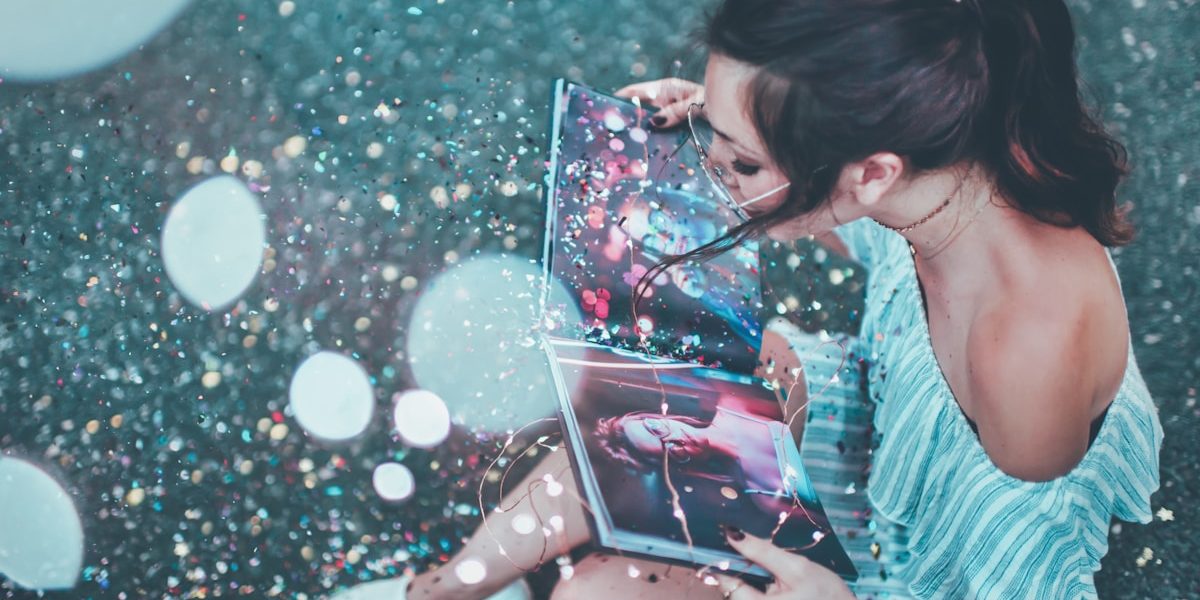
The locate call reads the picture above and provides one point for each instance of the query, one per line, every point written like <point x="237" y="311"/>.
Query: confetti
<point x="92" y="324"/>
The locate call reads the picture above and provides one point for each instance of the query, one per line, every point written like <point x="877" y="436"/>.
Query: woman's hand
<point x="796" y="577"/>
<point x="672" y="96"/>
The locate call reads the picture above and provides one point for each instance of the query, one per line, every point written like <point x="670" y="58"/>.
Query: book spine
<point x="549" y="188"/>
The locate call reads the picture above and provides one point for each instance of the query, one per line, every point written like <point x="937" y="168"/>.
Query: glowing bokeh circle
<point x="421" y="418"/>
<point x="473" y="340"/>
<point x="212" y="242"/>
<point x="52" y="39"/>
<point x="393" y="481"/>
<point x="41" y="536"/>
<point x="331" y="396"/>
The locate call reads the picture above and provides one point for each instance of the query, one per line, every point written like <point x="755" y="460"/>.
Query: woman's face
<point x="651" y="434"/>
<point x="739" y="150"/>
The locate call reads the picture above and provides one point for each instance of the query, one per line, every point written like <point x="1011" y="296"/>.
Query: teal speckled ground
<point x="1143" y="61"/>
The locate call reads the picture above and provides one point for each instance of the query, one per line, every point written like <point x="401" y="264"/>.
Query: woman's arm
<point x="780" y="364"/>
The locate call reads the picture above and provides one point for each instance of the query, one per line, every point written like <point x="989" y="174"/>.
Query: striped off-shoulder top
<point x="974" y="531"/>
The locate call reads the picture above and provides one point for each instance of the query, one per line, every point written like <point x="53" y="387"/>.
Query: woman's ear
<point x="871" y="178"/>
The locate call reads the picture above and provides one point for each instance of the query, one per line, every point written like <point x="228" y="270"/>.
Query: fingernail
<point x="734" y="533"/>
<point x="658" y="120"/>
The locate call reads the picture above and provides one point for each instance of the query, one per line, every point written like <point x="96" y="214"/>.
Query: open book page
<point x="622" y="197"/>
<point x="667" y="452"/>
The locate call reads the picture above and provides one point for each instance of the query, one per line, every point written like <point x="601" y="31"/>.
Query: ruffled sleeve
<point x="975" y="532"/>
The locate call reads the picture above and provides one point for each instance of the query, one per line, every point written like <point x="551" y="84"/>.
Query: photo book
<point x="671" y="436"/>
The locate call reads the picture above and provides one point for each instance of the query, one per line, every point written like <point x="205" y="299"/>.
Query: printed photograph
<point x="677" y="452"/>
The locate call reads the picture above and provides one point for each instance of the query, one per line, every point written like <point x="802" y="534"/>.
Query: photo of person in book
<point x="731" y="451"/>
<point x="676" y="452"/>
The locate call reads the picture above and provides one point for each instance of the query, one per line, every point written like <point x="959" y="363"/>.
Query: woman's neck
<point x="962" y="231"/>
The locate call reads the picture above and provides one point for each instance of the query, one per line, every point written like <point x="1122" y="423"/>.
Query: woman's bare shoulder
<point x="1043" y="360"/>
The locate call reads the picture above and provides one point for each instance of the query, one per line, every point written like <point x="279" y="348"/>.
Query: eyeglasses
<point x="718" y="175"/>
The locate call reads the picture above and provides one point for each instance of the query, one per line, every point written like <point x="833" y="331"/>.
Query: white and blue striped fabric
<point x="939" y="519"/>
<point x="836" y="453"/>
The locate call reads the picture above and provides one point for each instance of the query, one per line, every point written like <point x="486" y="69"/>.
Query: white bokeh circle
<point x="41" y="537"/>
<point x="393" y="481"/>
<point x="523" y="523"/>
<point x="421" y="418"/>
<point x="52" y="39"/>
<point x="471" y="571"/>
<point x="331" y="396"/>
<point x="212" y="242"/>
<point x="473" y="339"/>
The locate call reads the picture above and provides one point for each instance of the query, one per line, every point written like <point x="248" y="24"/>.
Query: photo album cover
<point x="670" y="435"/>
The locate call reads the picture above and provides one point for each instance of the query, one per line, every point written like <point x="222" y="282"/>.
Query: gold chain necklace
<point x="955" y="235"/>
<point x="940" y="208"/>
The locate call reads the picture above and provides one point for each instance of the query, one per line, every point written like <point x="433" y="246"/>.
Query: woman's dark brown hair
<point x="934" y="81"/>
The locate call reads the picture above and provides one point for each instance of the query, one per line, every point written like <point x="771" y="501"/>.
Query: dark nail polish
<point x="734" y="533"/>
<point x="658" y="120"/>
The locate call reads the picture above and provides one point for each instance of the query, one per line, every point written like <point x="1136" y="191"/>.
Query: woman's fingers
<point x="780" y="563"/>
<point x="671" y="96"/>
<point x="636" y="90"/>
<point x="663" y="92"/>
<point x="736" y="589"/>
<point x="671" y="115"/>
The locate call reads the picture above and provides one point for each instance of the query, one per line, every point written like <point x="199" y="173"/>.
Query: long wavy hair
<point x="934" y="81"/>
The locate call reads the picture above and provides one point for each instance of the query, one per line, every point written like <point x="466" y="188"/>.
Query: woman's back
<point x="972" y="529"/>
<point x="1027" y="318"/>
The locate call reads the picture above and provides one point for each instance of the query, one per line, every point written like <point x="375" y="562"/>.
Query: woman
<point x="944" y="146"/>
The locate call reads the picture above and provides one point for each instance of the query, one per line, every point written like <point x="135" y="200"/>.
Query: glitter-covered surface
<point x="385" y="142"/>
